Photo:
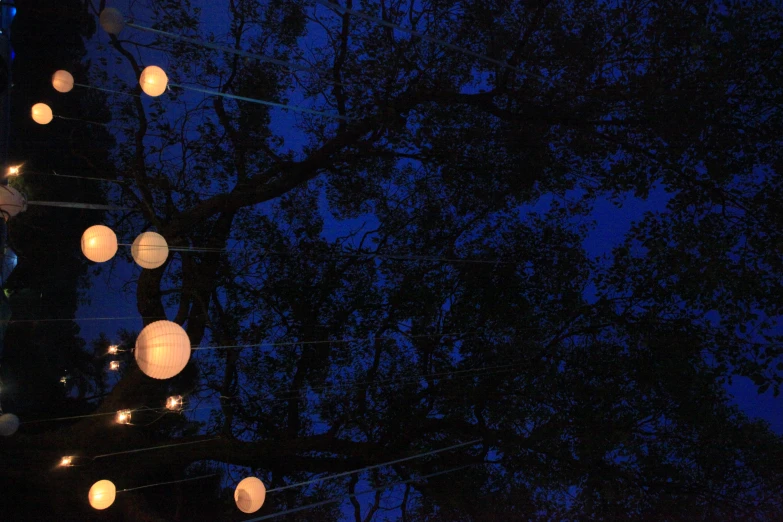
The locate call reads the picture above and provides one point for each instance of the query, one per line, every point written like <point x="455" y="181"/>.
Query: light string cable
<point x="480" y="371"/>
<point x="155" y="448"/>
<point x="55" y="174"/>
<point x="374" y="466"/>
<point x="104" y="89"/>
<point x="349" y="254"/>
<point x="255" y="100"/>
<point x="238" y="52"/>
<point x="79" y="319"/>
<point x="423" y="36"/>
<point x="353" y="495"/>
<point x="167" y="483"/>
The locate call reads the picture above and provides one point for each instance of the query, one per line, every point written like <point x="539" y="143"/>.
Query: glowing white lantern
<point x="62" y="81"/>
<point x="99" y="243"/>
<point x="150" y="250"/>
<point x="102" y="494"/>
<point x="42" y="113"/>
<point x="12" y="202"/>
<point x="112" y="21"/>
<point x="162" y="349"/>
<point x="9" y="423"/>
<point x="153" y="80"/>
<point x="250" y="495"/>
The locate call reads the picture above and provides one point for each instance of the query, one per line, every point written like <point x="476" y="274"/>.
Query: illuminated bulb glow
<point x="113" y="349"/>
<point x="114" y="365"/>
<point x="123" y="417"/>
<point x="66" y="461"/>
<point x="14" y="171"/>
<point x="174" y="402"/>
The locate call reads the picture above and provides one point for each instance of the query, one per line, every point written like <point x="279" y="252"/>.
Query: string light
<point x="114" y="366"/>
<point x="123" y="417"/>
<point x="174" y="403"/>
<point x="14" y="170"/>
<point x="113" y="349"/>
<point x="66" y="461"/>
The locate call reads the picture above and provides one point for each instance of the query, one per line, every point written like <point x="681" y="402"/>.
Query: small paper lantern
<point x="62" y="81"/>
<point x="41" y="113"/>
<point x="150" y="250"/>
<point x="162" y="349"/>
<point x="112" y="21"/>
<point x="102" y="494"/>
<point x="153" y="80"/>
<point x="250" y="495"/>
<point x="9" y="423"/>
<point x="99" y="243"/>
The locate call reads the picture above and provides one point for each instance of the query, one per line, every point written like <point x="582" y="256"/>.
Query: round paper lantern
<point x="9" y="423"/>
<point x="250" y="495"/>
<point x="162" y="349"/>
<point x="112" y="21"/>
<point x="102" y="494"/>
<point x="150" y="250"/>
<point x="99" y="243"/>
<point x="62" y="81"/>
<point x="153" y="80"/>
<point x="12" y="202"/>
<point x="42" y="113"/>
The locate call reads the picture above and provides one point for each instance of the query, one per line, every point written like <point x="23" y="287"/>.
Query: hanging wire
<point x="353" y="495"/>
<point x="164" y="446"/>
<point x="166" y="483"/>
<point x="254" y="100"/>
<point x="238" y="52"/>
<point x="104" y="89"/>
<point x="374" y="466"/>
<point x="78" y="319"/>
<point x="428" y="38"/>
<point x="481" y="371"/>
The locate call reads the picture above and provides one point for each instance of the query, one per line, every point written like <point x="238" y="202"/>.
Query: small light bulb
<point x="123" y="417"/>
<point x="174" y="402"/>
<point x="113" y="349"/>
<point x="14" y="171"/>
<point x="114" y="366"/>
<point x="66" y="461"/>
<point x="64" y="380"/>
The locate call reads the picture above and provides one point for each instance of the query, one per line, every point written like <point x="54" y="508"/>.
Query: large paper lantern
<point x="153" y="80"/>
<point x="102" y="494"/>
<point x="12" y="202"/>
<point x="9" y="423"/>
<point x="99" y="243"/>
<point x="162" y="349"/>
<point x="250" y="495"/>
<point x="112" y="21"/>
<point x="150" y="250"/>
<point x="42" y="113"/>
<point x="62" y="81"/>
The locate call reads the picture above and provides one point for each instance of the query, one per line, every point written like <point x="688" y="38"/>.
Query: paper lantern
<point x="153" y="80"/>
<point x="102" y="494"/>
<point x="150" y="250"/>
<point x="9" y="423"/>
<point x="12" y="202"/>
<point x="112" y="21"/>
<point x="162" y="349"/>
<point x="99" y="243"/>
<point x="62" y="81"/>
<point x="42" y="113"/>
<point x="250" y="495"/>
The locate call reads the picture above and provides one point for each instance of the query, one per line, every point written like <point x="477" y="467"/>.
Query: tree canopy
<point x="412" y="273"/>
